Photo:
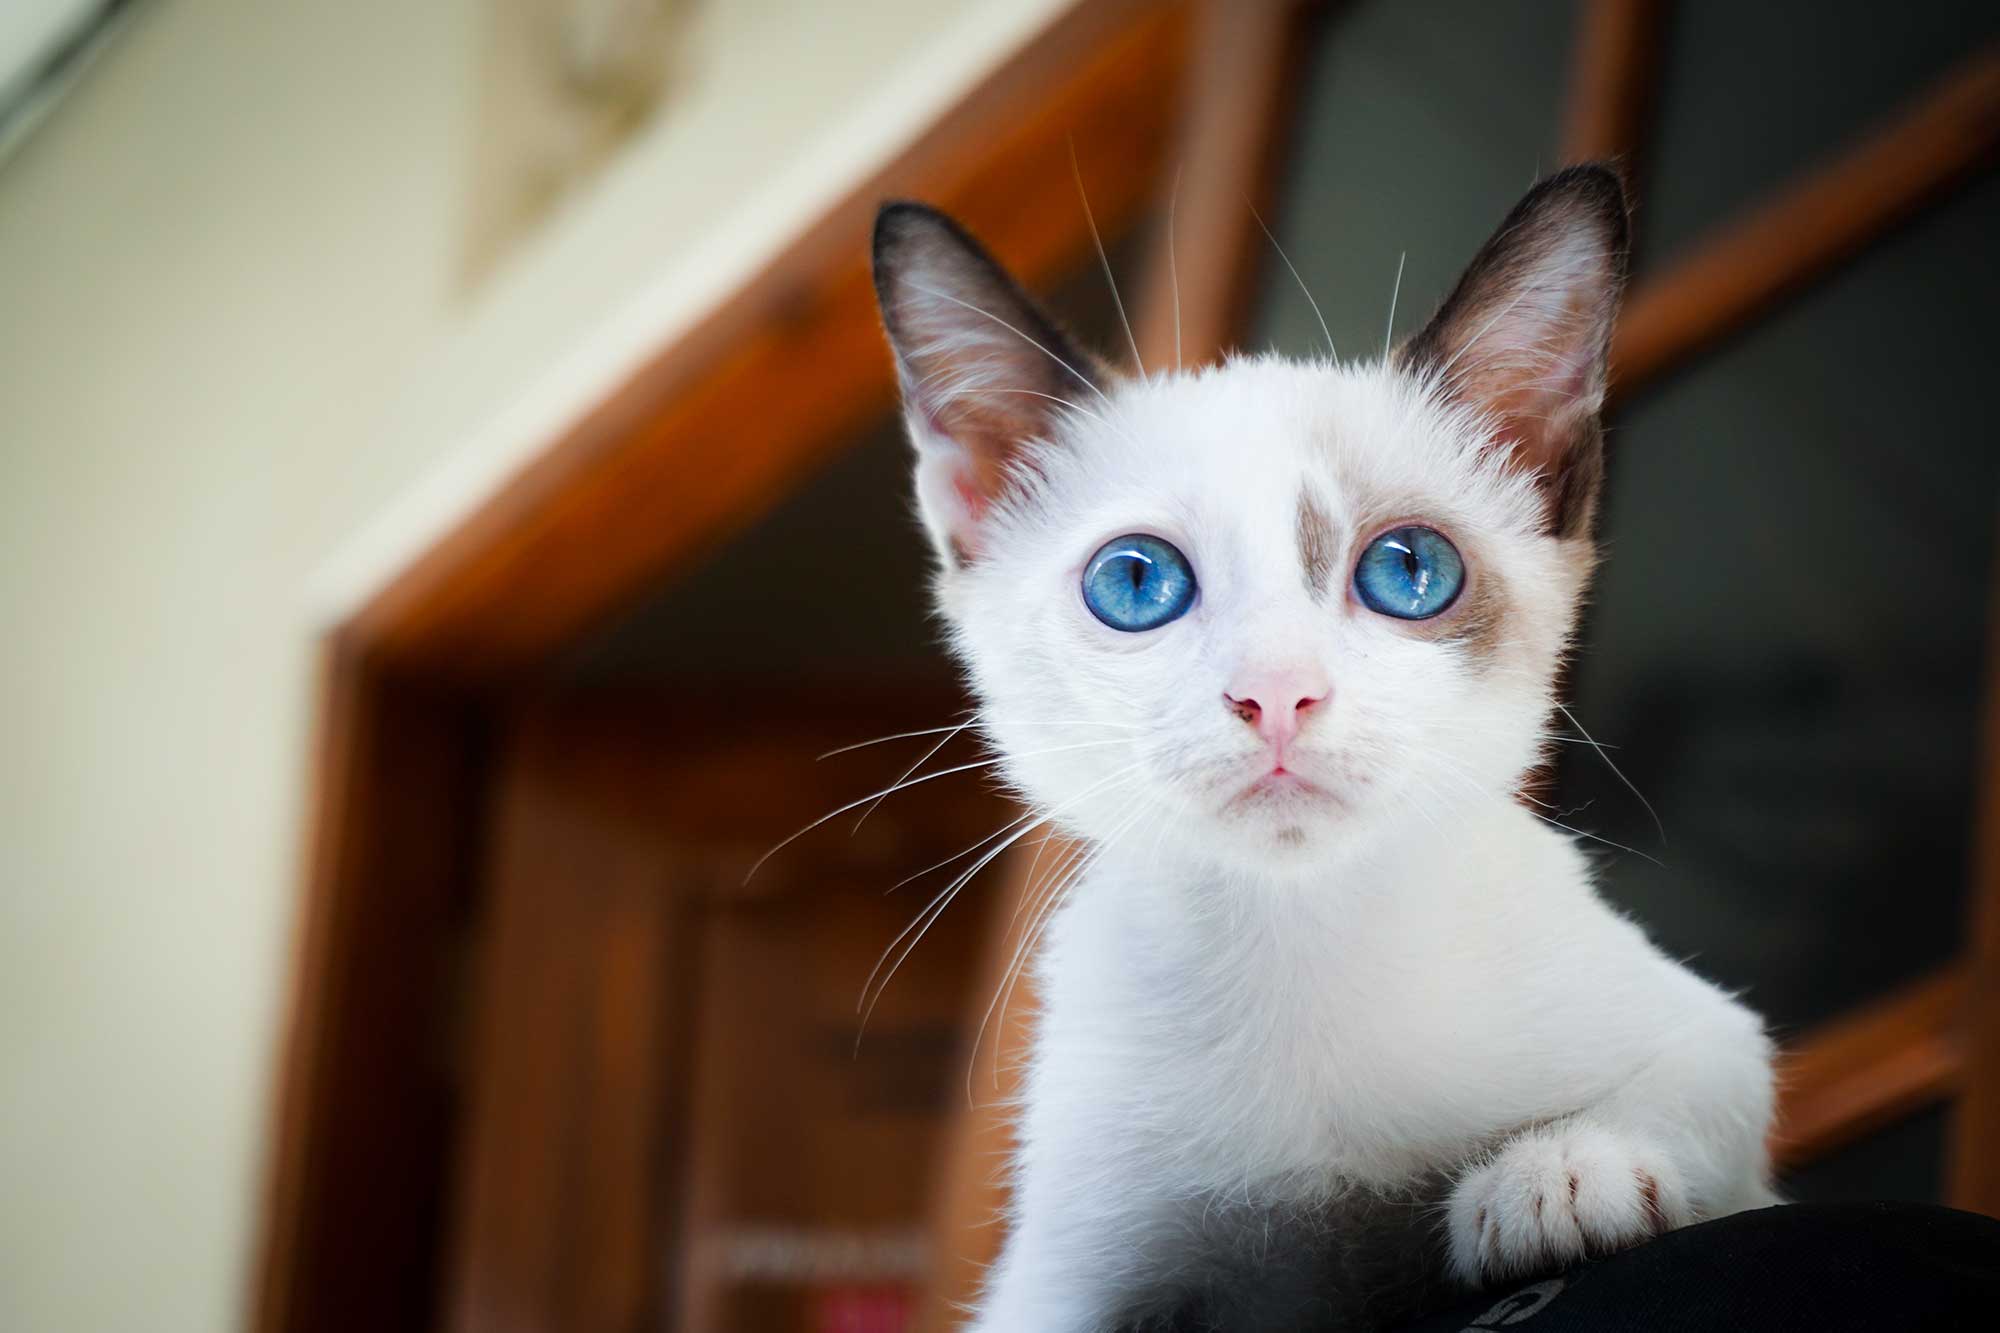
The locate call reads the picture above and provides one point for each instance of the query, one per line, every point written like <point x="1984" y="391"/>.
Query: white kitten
<point x="1278" y="641"/>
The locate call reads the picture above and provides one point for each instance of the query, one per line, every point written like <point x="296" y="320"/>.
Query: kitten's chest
<point x="1373" y="1047"/>
<point x="1295" y="1056"/>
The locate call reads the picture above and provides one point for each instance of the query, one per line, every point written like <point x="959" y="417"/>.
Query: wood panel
<point x="1203" y="277"/>
<point x="579" y="1025"/>
<point x="807" y="1198"/>
<point x="638" y="996"/>
<point x="1614" y="72"/>
<point x="1865" y="1071"/>
<point x="1808" y="227"/>
<point x="728" y="419"/>
<point x="364" y="1098"/>
<point x="724" y="772"/>
<point x="1974" y="1170"/>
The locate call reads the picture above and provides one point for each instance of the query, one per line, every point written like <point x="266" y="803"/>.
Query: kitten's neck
<point x="1221" y="957"/>
<point x="1406" y="866"/>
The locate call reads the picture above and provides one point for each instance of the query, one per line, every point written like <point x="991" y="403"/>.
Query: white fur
<point x="1276" y="1001"/>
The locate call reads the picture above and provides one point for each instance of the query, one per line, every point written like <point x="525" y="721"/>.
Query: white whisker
<point x="904" y="785"/>
<point x="1173" y="264"/>
<point x="1076" y="374"/>
<point x="1050" y="902"/>
<point x="1033" y="393"/>
<point x="922" y="759"/>
<point x="1594" y="837"/>
<point x="936" y="908"/>
<point x="974" y="722"/>
<point x="954" y="729"/>
<point x="1104" y="260"/>
<point x="1389" y="333"/>
<point x="1331" y="354"/>
<point x="1617" y="772"/>
<point x="1010" y="825"/>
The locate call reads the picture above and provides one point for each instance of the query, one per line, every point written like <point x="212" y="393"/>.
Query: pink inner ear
<point x="1530" y="407"/>
<point x="1536" y="390"/>
<point x="966" y="487"/>
<point x="972" y="502"/>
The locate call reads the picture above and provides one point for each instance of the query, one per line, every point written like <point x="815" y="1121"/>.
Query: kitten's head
<point x="1270" y="609"/>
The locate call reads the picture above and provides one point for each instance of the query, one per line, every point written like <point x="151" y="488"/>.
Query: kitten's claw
<point x="1555" y="1194"/>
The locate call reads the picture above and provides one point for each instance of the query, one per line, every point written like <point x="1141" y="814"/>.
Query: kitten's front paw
<point x="1555" y="1194"/>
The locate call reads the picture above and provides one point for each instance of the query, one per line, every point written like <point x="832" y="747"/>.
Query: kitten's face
<point x="1267" y="612"/>
<point x="1271" y="479"/>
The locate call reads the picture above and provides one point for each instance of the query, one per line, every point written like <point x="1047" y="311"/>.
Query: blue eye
<point x="1137" y="582"/>
<point x="1411" y="574"/>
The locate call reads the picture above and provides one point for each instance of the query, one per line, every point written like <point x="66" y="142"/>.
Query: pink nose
<point x="1276" y="702"/>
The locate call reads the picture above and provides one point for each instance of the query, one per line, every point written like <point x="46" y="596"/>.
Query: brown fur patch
<point x="1316" y="543"/>
<point x="1477" y="623"/>
<point x="1649" y="1189"/>
<point x="1573" y="491"/>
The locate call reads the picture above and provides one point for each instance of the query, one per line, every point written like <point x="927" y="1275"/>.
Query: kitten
<point x="1278" y="642"/>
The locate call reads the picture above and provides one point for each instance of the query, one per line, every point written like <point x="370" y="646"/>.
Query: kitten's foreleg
<point x="1035" y="1284"/>
<point x="1681" y="1141"/>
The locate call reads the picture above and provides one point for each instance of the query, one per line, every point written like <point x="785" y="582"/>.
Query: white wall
<point x="236" y="389"/>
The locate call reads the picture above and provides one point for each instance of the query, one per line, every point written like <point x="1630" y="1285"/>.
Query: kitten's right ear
<point x="1525" y="337"/>
<point x="984" y="372"/>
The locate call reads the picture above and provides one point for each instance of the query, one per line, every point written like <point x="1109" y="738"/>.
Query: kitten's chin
<point x="1279" y="849"/>
<point x="1283" y="820"/>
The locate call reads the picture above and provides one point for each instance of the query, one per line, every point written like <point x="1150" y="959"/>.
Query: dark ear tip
<point x="1601" y="177"/>
<point x="899" y="221"/>
<point x="898" y="215"/>
<point x="904" y="227"/>
<point x="1597" y="186"/>
<point x="894" y="221"/>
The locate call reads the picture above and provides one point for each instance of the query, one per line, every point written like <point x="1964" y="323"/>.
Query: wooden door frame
<point x="706" y="436"/>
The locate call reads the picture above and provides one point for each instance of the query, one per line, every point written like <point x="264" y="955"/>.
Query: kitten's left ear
<point x="1525" y="336"/>
<point x="985" y="373"/>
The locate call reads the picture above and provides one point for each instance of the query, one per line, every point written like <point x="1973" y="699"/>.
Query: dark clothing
<point x="1802" y="1268"/>
<point x="1798" y="1268"/>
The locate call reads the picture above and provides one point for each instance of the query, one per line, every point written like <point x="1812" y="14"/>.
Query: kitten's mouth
<point x="1281" y="786"/>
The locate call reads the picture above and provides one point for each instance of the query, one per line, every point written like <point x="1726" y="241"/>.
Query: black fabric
<point x="1359" y="1262"/>
<point x="1801" y="1268"/>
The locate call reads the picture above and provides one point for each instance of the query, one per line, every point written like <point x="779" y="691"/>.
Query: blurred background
<point x="450" y="498"/>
